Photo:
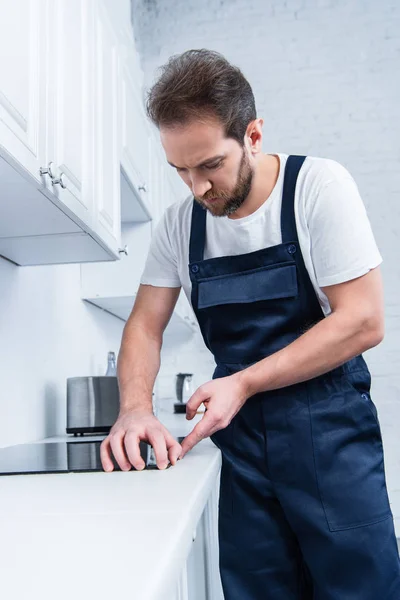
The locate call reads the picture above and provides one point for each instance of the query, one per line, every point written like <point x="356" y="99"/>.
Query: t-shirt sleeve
<point x="161" y="267"/>
<point x="343" y="246"/>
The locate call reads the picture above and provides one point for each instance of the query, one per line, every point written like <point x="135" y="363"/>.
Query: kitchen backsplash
<point x="47" y="334"/>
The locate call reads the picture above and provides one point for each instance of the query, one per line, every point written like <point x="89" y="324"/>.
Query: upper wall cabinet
<point x="59" y="133"/>
<point x="77" y="154"/>
<point x="23" y="82"/>
<point x="136" y="157"/>
<point x="70" y="105"/>
<point x="107" y="124"/>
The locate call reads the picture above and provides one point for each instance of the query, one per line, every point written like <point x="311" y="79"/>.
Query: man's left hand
<point x="223" y="398"/>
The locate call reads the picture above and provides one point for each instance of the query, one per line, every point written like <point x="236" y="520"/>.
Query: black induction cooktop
<point x="62" y="457"/>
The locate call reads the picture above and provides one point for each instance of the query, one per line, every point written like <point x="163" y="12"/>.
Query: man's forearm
<point x="328" y="344"/>
<point x="138" y="365"/>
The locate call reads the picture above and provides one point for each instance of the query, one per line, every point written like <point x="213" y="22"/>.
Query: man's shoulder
<point x="179" y="212"/>
<point x="319" y="171"/>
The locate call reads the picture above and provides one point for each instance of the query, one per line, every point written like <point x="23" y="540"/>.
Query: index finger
<point x="201" y="430"/>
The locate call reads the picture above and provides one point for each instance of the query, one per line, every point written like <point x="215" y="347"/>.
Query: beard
<point x="228" y="203"/>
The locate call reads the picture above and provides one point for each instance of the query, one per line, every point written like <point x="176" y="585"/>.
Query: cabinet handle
<point x="47" y="171"/>
<point x="142" y="188"/>
<point x="60" y="181"/>
<point x="123" y="250"/>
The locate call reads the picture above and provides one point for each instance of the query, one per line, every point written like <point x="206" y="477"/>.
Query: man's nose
<point x="200" y="186"/>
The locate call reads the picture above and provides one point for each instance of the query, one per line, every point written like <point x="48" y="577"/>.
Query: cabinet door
<point x="135" y="137"/>
<point x="70" y="130"/>
<point x="157" y="182"/>
<point x="107" y="156"/>
<point x="196" y="566"/>
<point x="22" y="82"/>
<point x="182" y="592"/>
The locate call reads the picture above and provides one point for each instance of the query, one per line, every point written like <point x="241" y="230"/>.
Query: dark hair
<point x="202" y="83"/>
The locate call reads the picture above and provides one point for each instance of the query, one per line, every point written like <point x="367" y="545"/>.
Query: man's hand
<point x="125" y="435"/>
<point x="223" y="398"/>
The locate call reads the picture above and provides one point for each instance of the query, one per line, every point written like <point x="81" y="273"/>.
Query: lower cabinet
<point x="200" y="579"/>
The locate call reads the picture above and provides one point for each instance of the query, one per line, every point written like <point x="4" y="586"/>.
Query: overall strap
<point x="288" y="220"/>
<point x="197" y="233"/>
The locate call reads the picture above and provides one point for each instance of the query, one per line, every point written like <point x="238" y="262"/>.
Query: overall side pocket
<point x="348" y="456"/>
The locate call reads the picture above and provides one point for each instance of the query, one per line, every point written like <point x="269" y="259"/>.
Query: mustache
<point x="221" y="195"/>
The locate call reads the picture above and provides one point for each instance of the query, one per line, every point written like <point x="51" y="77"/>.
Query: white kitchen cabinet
<point x="134" y="128"/>
<point x="59" y="133"/>
<point x="200" y="578"/>
<point x="196" y="564"/>
<point x="26" y="217"/>
<point x="107" y="139"/>
<point x="113" y="286"/>
<point x="70" y="129"/>
<point x="136" y="153"/>
<point x="182" y="592"/>
<point x="23" y="81"/>
<point x="157" y="179"/>
<point x="77" y="153"/>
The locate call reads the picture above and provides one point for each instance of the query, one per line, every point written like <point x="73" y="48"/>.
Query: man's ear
<point x="254" y="135"/>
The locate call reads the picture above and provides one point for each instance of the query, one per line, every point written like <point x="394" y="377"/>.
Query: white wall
<point x="325" y="74"/>
<point x="47" y="333"/>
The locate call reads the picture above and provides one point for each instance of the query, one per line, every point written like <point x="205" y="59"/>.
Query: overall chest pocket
<point x="263" y="283"/>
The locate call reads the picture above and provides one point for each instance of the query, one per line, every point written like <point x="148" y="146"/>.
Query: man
<point x="277" y="257"/>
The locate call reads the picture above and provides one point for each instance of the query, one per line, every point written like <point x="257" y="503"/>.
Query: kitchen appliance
<point x="62" y="457"/>
<point x="92" y="404"/>
<point x="184" y="390"/>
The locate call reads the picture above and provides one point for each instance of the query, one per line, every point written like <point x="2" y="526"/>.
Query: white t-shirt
<point x="333" y="228"/>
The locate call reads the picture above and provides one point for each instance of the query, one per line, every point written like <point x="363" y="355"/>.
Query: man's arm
<point x="138" y="365"/>
<point x="139" y="356"/>
<point x="355" y="325"/>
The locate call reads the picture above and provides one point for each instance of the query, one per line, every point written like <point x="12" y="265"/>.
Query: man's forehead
<point x="194" y="145"/>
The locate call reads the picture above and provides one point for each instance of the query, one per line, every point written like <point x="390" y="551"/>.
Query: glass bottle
<point x="111" y="365"/>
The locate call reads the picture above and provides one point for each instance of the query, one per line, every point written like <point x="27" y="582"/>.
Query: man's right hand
<point x="123" y="441"/>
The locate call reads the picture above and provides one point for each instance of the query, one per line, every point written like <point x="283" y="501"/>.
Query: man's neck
<point x="265" y="176"/>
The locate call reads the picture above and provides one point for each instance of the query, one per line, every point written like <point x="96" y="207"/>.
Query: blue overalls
<point x="303" y="511"/>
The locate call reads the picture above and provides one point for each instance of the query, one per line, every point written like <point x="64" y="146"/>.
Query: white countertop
<point x="103" y="535"/>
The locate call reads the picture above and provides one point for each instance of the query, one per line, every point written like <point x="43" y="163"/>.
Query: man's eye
<point x="215" y="166"/>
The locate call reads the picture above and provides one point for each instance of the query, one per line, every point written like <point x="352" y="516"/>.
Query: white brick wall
<point x="325" y="74"/>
